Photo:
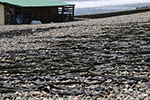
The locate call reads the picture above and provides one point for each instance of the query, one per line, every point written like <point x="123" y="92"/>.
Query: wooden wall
<point x="2" y="19"/>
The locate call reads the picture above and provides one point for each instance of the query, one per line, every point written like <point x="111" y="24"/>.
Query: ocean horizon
<point x="102" y="6"/>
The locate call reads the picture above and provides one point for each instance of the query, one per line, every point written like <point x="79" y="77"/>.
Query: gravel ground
<point x="98" y="59"/>
<point x="140" y="17"/>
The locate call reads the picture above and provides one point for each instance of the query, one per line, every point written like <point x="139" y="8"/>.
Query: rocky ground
<point x="105" y="59"/>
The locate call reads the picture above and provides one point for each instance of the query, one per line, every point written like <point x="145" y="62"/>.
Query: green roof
<point x="35" y="3"/>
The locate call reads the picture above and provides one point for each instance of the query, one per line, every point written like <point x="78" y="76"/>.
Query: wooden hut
<point x="25" y="11"/>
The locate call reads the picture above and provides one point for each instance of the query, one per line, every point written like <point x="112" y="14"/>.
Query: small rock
<point x="136" y="98"/>
<point x="127" y="86"/>
<point x="140" y="96"/>
<point x="130" y="90"/>
<point x="105" y="96"/>
<point x="144" y="95"/>
<point x="109" y="81"/>
<point x="112" y="95"/>
<point x="22" y="93"/>
<point x="59" y="98"/>
<point x="75" y="98"/>
<point x="148" y="92"/>
<point x="138" y="86"/>
<point x="18" y="98"/>
<point x="3" y="59"/>
<point x="127" y="98"/>
<point x="126" y="90"/>
<point x="99" y="98"/>
<point x="35" y="93"/>
<point x="47" y="99"/>
<point x="147" y="98"/>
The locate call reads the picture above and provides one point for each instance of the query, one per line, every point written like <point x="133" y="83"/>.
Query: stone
<point x="136" y="98"/>
<point x="147" y="98"/>
<point x="148" y="92"/>
<point x="35" y="93"/>
<point x="99" y="98"/>
<point x="59" y="98"/>
<point x="127" y="98"/>
<point x="127" y="86"/>
<point x="75" y="98"/>
<point x="144" y="95"/>
<point x="112" y="95"/>
<point x="140" y="96"/>
<point x="18" y="98"/>
<point x="105" y="96"/>
<point x="47" y="99"/>
<point x="126" y="90"/>
<point x="132" y="98"/>
<point x="138" y="86"/>
<point x="22" y="93"/>
<point x="130" y="90"/>
<point x="109" y="81"/>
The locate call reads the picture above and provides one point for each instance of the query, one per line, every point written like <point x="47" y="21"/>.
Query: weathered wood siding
<point x="2" y="19"/>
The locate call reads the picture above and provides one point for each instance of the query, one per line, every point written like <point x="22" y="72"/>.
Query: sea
<point x="83" y="7"/>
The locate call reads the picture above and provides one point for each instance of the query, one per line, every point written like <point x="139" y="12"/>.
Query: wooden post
<point x="73" y="12"/>
<point x="63" y="13"/>
<point x="5" y="14"/>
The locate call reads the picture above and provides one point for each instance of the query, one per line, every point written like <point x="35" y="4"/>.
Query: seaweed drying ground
<point x="92" y="64"/>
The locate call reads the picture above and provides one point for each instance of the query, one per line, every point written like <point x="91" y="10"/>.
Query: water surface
<point x="101" y="6"/>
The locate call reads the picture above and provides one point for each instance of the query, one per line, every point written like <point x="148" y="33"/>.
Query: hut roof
<point x="35" y="3"/>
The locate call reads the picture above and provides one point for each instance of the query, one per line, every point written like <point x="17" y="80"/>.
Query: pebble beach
<point x="93" y="59"/>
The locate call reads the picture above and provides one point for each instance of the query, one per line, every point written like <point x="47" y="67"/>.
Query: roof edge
<point x="26" y="6"/>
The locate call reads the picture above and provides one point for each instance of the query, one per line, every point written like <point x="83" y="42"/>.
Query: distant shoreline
<point x="117" y="13"/>
<point x="107" y="9"/>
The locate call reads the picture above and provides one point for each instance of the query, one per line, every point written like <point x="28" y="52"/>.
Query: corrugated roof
<point x="35" y="3"/>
